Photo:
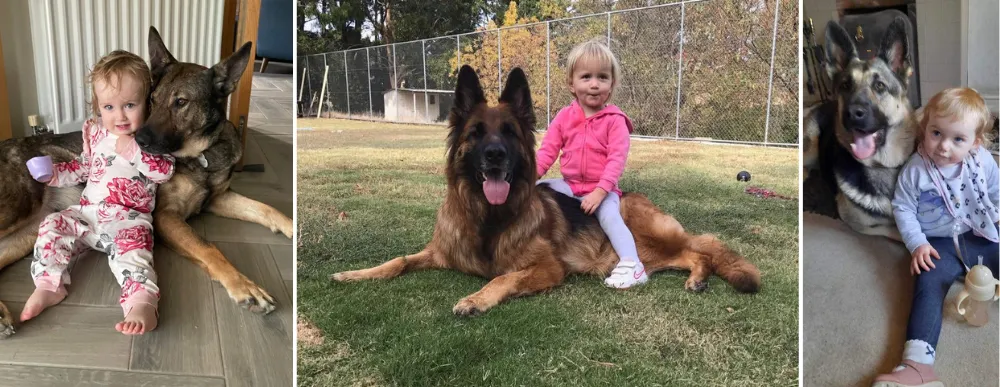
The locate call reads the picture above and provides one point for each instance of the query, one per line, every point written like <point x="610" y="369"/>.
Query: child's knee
<point x="937" y="278"/>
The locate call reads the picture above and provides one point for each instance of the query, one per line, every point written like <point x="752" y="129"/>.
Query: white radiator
<point x="69" y="36"/>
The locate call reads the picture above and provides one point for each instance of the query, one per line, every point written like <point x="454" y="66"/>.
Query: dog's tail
<point x="729" y="265"/>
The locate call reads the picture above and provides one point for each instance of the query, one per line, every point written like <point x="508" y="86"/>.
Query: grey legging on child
<point x="610" y="217"/>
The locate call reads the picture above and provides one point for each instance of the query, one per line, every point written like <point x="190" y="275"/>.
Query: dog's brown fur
<point x="198" y="127"/>
<point x="532" y="241"/>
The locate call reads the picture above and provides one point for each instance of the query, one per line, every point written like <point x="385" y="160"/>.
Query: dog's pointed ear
<point x="517" y="96"/>
<point x="468" y="95"/>
<point x="159" y="57"/>
<point x="895" y="49"/>
<point x="225" y="74"/>
<point x="468" y="92"/>
<point x="840" y="48"/>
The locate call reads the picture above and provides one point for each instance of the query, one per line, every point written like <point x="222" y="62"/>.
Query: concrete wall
<point x="410" y="106"/>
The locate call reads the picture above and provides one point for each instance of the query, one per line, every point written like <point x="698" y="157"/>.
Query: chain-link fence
<point x="714" y="70"/>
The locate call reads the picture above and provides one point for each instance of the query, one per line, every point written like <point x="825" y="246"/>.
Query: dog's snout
<point x="142" y="137"/>
<point x="858" y="112"/>
<point x="495" y="153"/>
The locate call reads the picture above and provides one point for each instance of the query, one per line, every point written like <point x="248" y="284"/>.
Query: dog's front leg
<point x="426" y="259"/>
<point x="546" y="272"/>
<point x="235" y="206"/>
<point x="14" y="246"/>
<point x="179" y="236"/>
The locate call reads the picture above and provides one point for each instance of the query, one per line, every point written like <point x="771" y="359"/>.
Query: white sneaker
<point x="627" y="274"/>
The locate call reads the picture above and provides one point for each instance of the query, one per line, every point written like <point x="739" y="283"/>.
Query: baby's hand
<point x="922" y="259"/>
<point x="593" y="200"/>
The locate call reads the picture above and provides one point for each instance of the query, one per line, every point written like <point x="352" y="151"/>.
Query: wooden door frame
<point x="6" y="131"/>
<point x="241" y="19"/>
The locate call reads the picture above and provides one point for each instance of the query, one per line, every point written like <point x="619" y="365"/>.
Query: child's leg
<point x="924" y="326"/>
<point x="131" y="262"/>
<point x="629" y="270"/>
<point x="59" y="240"/>
<point x="558" y="185"/>
<point x="974" y="246"/>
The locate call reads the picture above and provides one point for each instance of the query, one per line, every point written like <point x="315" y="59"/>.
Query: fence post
<point x="368" y="63"/>
<point x="423" y="49"/>
<point x="322" y="92"/>
<point x="680" y="73"/>
<point x="395" y="83"/>
<point x="499" y="66"/>
<point x="770" y="79"/>
<point x="458" y="51"/>
<point x="609" y="29"/>
<point x="347" y="85"/>
<point x="305" y="75"/>
<point x="548" y="74"/>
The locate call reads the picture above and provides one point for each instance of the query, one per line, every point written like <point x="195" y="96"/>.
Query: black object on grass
<point x="743" y="176"/>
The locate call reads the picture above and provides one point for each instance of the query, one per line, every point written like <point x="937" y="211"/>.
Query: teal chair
<point x="275" y="33"/>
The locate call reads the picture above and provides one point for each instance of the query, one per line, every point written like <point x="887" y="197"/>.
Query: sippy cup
<point x="40" y="168"/>
<point x="981" y="289"/>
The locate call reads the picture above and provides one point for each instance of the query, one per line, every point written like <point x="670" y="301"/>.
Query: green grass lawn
<point x="368" y="192"/>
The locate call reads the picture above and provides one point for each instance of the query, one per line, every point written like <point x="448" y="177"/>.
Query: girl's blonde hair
<point x="110" y="70"/>
<point x="959" y="103"/>
<point x="594" y="50"/>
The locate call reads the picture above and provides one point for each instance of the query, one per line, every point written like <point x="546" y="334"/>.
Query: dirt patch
<point x="308" y="335"/>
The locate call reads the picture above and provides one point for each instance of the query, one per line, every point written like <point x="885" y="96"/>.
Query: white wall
<point x="18" y="55"/>
<point x="939" y="39"/>
<point x="410" y="106"/>
<point x="983" y="60"/>
<point x="939" y="42"/>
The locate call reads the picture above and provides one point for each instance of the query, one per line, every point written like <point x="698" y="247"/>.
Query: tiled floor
<point x="204" y="338"/>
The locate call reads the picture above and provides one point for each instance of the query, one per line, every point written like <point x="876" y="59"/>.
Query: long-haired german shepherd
<point x="186" y="119"/>
<point x="532" y="237"/>
<point x="860" y="140"/>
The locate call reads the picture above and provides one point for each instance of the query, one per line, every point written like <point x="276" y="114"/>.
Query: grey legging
<point x="610" y="217"/>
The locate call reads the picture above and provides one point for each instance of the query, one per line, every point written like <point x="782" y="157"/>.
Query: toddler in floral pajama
<point x="114" y="214"/>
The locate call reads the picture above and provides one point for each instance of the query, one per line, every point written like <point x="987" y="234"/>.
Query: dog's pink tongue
<point x="863" y="146"/>
<point x="496" y="191"/>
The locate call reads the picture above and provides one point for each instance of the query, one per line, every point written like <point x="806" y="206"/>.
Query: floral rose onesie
<point x="113" y="217"/>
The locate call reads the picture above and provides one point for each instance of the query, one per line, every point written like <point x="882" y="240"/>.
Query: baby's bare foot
<point x="39" y="301"/>
<point x="141" y="319"/>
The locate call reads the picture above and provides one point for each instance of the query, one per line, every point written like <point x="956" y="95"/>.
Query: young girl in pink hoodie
<point x="593" y="137"/>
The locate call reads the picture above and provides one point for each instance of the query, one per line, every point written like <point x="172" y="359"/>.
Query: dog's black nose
<point x="858" y="112"/>
<point x="142" y="137"/>
<point x="495" y="153"/>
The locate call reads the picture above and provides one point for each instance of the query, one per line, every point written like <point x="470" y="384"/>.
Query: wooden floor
<point x="203" y="338"/>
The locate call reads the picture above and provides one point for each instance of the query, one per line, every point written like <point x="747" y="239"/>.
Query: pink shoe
<point x="912" y="375"/>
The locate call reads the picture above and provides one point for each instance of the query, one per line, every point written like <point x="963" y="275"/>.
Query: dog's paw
<point x="344" y="276"/>
<point x="469" y="306"/>
<point x="285" y="227"/>
<point x="6" y="322"/>
<point x="695" y="286"/>
<point x="250" y="296"/>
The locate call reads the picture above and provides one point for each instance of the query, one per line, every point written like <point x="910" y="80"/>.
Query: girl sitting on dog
<point x="593" y="137"/>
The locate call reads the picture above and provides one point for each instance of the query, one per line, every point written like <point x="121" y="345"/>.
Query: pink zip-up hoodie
<point x="594" y="149"/>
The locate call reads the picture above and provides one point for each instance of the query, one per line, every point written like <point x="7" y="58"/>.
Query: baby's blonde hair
<point x="594" y="50"/>
<point x="110" y="70"/>
<point x="959" y="103"/>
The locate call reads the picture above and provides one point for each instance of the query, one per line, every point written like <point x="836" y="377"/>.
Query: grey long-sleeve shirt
<point x="918" y="208"/>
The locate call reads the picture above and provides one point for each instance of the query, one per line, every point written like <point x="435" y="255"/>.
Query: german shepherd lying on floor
<point x="536" y="236"/>
<point x="186" y="119"/>
<point x="860" y="140"/>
